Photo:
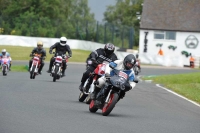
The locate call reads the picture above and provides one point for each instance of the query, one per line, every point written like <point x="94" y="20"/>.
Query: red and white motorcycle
<point x="57" y="67"/>
<point x="35" y="66"/>
<point x="5" y="65"/>
<point x="98" y="72"/>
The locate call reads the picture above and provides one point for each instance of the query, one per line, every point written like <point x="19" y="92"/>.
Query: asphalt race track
<point x="43" y="106"/>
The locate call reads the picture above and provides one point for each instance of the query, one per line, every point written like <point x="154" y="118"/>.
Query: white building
<point x="172" y="26"/>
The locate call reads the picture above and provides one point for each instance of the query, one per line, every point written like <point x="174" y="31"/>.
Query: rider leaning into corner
<point x="126" y="66"/>
<point x="5" y="53"/>
<point x="41" y="52"/>
<point x="97" y="57"/>
<point x="60" y="47"/>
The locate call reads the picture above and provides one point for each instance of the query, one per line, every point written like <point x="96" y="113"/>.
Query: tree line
<point x="70" y="18"/>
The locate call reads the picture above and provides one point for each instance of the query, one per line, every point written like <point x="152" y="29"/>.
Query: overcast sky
<point x="98" y="7"/>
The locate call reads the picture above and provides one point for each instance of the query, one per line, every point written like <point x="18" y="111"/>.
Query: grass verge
<point x="187" y="85"/>
<point x="22" y="53"/>
<point x="19" y="68"/>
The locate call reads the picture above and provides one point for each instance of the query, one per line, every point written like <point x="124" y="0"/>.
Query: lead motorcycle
<point x="5" y="65"/>
<point x="56" y="71"/>
<point x="98" y="72"/>
<point x="35" y="66"/>
<point x="111" y="93"/>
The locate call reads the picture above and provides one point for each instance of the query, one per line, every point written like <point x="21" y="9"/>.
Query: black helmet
<point x="109" y="48"/>
<point x="129" y="61"/>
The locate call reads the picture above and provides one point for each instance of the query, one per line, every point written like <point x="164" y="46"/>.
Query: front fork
<point x="35" y="66"/>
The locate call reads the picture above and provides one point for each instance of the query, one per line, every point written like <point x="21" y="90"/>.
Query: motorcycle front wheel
<point x="55" y="73"/>
<point x="92" y="107"/>
<point x="108" y="107"/>
<point x="82" y="97"/>
<point x="32" y="73"/>
<point x="4" y="71"/>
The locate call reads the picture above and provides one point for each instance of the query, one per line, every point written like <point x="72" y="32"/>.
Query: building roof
<point x="176" y="15"/>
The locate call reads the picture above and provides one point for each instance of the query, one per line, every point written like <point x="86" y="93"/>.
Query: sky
<point x="98" y="7"/>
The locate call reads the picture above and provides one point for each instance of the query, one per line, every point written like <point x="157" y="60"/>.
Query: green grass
<point x="187" y="85"/>
<point x="22" y="53"/>
<point x="19" y="68"/>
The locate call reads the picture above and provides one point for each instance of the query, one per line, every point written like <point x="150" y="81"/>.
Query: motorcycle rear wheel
<point x="108" y="107"/>
<point x="82" y="97"/>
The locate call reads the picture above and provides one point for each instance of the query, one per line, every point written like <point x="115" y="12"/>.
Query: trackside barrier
<point x="166" y="60"/>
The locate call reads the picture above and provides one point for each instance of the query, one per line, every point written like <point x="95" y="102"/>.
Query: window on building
<point x="159" y="35"/>
<point x="167" y="35"/>
<point x="170" y="35"/>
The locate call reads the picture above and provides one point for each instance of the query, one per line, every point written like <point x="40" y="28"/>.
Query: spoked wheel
<point x="92" y="107"/>
<point x="108" y="107"/>
<point x="88" y="100"/>
<point x="55" y="73"/>
<point x="32" y="74"/>
<point x="82" y="97"/>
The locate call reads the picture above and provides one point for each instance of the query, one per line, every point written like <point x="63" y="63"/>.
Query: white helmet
<point x="63" y="41"/>
<point x="3" y="51"/>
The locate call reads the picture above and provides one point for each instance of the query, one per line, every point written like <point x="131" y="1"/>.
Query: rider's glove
<point x="50" y="51"/>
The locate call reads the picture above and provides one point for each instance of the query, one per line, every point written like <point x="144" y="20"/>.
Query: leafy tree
<point x="124" y="13"/>
<point x="52" y="18"/>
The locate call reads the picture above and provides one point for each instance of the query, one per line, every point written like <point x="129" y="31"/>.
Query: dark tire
<point x="92" y="107"/>
<point x="88" y="100"/>
<point x="136" y="70"/>
<point x="82" y="97"/>
<point x="55" y="73"/>
<point x="4" y="71"/>
<point x="108" y="107"/>
<point x="32" y="73"/>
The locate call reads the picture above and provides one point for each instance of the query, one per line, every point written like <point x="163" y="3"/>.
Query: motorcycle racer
<point x="5" y="53"/>
<point x="61" y="47"/>
<point x="125" y="65"/>
<point x="98" y="56"/>
<point x="41" y="52"/>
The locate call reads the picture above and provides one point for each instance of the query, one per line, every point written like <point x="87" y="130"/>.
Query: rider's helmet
<point x="109" y="48"/>
<point x="3" y="52"/>
<point x="129" y="61"/>
<point x="39" y="44"/>
<point x="63" y="41"/>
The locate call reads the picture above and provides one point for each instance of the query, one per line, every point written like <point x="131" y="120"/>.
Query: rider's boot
<point x="63" y="73"/>
<point x="49" y="71"/>
<point x="10" y="67"/>
<point x="40" y="69"/>
<point x="81" y="86"/>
